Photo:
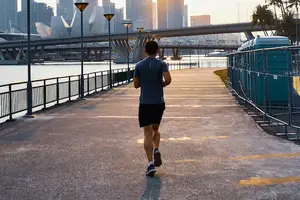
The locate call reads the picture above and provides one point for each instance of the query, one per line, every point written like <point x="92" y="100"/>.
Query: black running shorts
<point x="150" y="114"/>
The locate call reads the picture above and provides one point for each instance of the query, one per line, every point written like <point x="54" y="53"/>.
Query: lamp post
<point x="81" y="7"/>
<point x="140" y="31"/>
<point x="109" y="17"/>
<point x="29" y="84"/>
<point x="127" y="26"/>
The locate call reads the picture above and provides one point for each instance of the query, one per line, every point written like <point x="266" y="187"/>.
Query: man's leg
<point x="148" y="137"/>
<point x="156" y="135"/>
<point x="148" y="146"/>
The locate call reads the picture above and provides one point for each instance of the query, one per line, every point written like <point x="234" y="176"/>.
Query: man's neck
<point x="152" y="56"/>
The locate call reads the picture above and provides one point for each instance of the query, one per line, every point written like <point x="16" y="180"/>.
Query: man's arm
<point x="136" y="78"/>
<point x="167" y="76"/>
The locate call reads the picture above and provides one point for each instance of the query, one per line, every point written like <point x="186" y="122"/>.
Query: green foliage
<point x="284" y="24"/>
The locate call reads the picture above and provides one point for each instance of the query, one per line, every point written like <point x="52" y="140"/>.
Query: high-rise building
<point x="162" y="14"/>
<point x="110" y="8"/>
<point x="39" y="12"/>
<point x="119" y="17"/>
<point x="199" y="20"/>
<point x="8" y="14"/>
<point x="65" y="8"/>
<point x="185" y="16"/>
<point x="154" y="15"/>
<point x="175" y="13"/>
<point x="140" y="13"/>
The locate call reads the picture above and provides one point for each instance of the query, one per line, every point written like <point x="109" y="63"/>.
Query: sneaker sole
<point x="151" y="172"/>
<point x="157" y="159"/>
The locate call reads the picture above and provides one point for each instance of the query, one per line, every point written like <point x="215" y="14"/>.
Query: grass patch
<point x="223" y="75"/>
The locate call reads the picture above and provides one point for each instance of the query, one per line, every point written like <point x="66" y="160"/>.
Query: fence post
<point x="88" y="84"/>
<point x="79" y="85"/>
<point x="101" y="80"/>
<point x="69" y="86"/>
<point x="10" y="102"/>
<point x="95" y="82"/>
<point x="57" y="90"/>
<point x="45" y="94"/>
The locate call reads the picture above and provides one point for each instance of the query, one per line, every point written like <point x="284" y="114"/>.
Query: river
<point x="18" y="73"/>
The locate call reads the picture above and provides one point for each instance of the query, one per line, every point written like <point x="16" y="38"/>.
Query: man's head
<point x="151" y="48"/>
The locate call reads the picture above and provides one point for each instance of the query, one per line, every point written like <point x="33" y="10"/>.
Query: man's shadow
<point x="152" y="191"/>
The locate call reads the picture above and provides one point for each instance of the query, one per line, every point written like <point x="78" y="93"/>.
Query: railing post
<point x="45" y="94"/>
<point x="102" y="81"/>
<point x="10" y="102"/>
<point x="69" y="85"/>
<point x="88" y="84"/>
<point x="95" y="82"/>
<point x="79" y="85"/>
<point x="57" y="90"/>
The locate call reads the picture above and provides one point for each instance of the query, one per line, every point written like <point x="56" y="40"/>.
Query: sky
<point x="221" y="11"/>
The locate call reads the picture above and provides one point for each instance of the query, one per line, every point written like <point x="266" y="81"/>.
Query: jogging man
<point x="151" y="75"/>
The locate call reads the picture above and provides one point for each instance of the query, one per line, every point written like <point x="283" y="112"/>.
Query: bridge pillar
<point x="176" y="55"/>
<point x="1" y="55"/>
<point x="19" y="54"/>
<point x="249" y="35"/>
<point x="162" y="54"/>
<point x="121" y="50"/>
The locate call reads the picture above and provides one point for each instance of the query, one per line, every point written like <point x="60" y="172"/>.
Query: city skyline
<point x="215" y="8"/>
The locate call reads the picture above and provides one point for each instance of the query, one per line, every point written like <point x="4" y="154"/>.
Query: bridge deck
<point x="92" y="149"/>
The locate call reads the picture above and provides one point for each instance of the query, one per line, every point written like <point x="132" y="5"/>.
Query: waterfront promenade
<point x="92" y="149"/>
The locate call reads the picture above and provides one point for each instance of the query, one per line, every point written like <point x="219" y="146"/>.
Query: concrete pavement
<point x="93" y="149"/>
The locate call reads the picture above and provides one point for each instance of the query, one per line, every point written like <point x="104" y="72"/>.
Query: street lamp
<point x="29" y="84"/>
<point x="140" y="31"/>
<point x="109" y="17"/>
<point x="81" y="7"/>
<point x="127" y="26"/>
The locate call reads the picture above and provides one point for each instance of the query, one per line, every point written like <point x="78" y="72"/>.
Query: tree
<point x="263" y="17"/>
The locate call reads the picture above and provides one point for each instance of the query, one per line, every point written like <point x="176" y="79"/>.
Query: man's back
<point x="150" y="72"/>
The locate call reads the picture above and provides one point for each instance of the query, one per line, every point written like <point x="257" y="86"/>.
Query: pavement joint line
<point x="135" y="117"/>
<point x="166" y="98"/>
<point x="255" y="181"/>
<point x="266" y="156"/>
<point x="195" y="106"/>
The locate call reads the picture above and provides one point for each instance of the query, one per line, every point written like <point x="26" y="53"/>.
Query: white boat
<point x="217" y="53"/>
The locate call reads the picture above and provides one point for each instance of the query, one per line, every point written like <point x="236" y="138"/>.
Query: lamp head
<point x="140" y="29"/>
<point x="127" y="24"/>
<point x="109" y="16"/>
<point x="81" y="6"/>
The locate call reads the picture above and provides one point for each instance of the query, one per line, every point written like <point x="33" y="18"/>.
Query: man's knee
<point x="155" y="127"/>
<point x="147" y="131"/>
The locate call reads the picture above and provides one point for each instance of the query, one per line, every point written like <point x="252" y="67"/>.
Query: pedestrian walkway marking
<point x="214" y="137"/>
<point x="141" y="141"/>
<point x="266" y="156"/>
<point x="135" y="117"/>
<point x="268" y="181"/>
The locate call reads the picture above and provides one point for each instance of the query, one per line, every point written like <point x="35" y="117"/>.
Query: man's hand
<point x="136" y="82"/>
<point x="167" y="79"/>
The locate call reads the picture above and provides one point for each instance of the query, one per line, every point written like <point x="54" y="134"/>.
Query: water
<point x="18" y="73"/>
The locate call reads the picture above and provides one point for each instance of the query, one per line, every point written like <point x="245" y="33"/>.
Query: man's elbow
<point x="136" y="85"/>
<point x="168" y="81"/>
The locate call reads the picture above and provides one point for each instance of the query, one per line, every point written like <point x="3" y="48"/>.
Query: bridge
<point x="98" y="51"/>
<point x="119" y="40"/>
<point x="93" y="148"/>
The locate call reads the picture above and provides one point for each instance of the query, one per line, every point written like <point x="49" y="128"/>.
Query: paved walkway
<point x="93" y="149"/>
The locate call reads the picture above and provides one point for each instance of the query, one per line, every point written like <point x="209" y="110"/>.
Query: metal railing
<point x="267" y="81"/>
<point x="53" y="91"/>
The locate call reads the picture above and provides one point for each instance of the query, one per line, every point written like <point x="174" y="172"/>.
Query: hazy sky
<point x="221" y="11"/>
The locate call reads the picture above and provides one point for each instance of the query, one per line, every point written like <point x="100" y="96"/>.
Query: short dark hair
<point x="151" y="47"/>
